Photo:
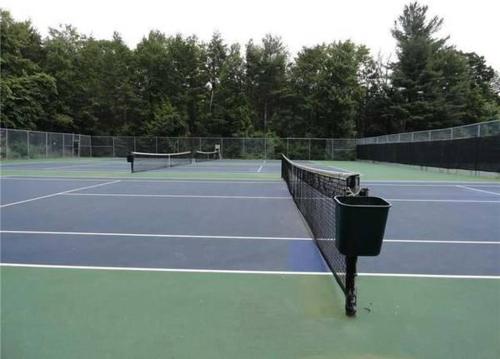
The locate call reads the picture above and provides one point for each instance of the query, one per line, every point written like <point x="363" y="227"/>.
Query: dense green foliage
<point x="181" y="86"/>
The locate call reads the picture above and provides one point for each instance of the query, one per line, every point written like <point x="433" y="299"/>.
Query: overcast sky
<point x="472" y="25"/>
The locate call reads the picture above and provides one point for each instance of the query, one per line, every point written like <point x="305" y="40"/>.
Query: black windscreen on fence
<point x="477" y="153"/>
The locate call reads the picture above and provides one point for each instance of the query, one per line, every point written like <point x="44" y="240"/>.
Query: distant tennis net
<point x="313" y="191"/>
<point x="143" y="161"/>
<point x="200" y="156"/>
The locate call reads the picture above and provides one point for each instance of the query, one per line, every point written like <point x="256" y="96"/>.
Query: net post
<point x="350" y="281"/>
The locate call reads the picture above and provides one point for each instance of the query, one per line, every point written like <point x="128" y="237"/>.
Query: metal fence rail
<point x="481" y="129"/>
<point x="22" y="144"/>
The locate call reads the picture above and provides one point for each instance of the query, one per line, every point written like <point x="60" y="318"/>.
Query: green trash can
<point x="360" y="224"/>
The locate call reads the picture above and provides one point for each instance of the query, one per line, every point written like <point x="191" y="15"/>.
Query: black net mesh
<point x="313" y="191"/>
<point x="201" y="156"/>
<point x="141" y="161"/>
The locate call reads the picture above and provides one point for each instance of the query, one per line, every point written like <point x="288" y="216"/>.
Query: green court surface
<point x="369" y="171"/>
<point x="55" y="313"/>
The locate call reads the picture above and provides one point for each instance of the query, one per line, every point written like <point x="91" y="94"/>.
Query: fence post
<point x="6" y="144"/>
<point x="309" y="149"/>
<point x="28" y="143"/>
<point x="46" y="144"/>
<point x="478" y="130"/>
<point x="221" y="148"/>
<point x="113" y="144"/>
<point x="134" y="145"/>
<point x="156" y="144"/>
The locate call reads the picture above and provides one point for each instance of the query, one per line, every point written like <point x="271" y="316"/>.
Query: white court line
<point x="154" y="235"/>
<point x="256" y="197"/>
<point x="437" y="276"/>
<point x="441" y="200"/>
<point x="143" y="180"/>
<point x="425" y="183"/>
<point x="68" y="166"/>
<point x="112" y="234"/>
<point x="478" y="190"/>
<point x="146" y="269"/>
<point x="261" y="166"/>
<point x="57" y="194"/>
<point x="345" y="170"/>
<point x="54" y="179"/>
<point x="229" y="271"/>
<point x="430" y="241"/>
<point x="173" y="196"/>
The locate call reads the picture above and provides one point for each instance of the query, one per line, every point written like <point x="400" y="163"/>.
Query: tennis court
<point x="214" y="260"/>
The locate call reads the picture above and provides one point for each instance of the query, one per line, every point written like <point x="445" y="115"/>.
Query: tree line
<point x="181" y="86"/>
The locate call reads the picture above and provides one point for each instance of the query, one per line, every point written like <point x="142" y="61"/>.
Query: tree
<point x="166" y="121"/>
<point x="63" y="61"/>
<point x="27" y="92"/>
<point x="111" y="100"/>
<point x="414" y="77"/>
<point x="216" y="56"/>
<point x="233" y="113"/>
<point x="435" y="85"/>
<point x="172" y="69"/>
<point x="327" y="83"/>
<point x="266" y="76"/>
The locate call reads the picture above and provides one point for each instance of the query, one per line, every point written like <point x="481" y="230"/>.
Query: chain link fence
<point x="23" y="144"/>
<point x="481" y="129"/>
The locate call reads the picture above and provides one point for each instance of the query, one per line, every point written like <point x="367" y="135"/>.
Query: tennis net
<point x="200" y="156"/>
<point x="313" y="191"/>
<point x="143" y="161"/>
